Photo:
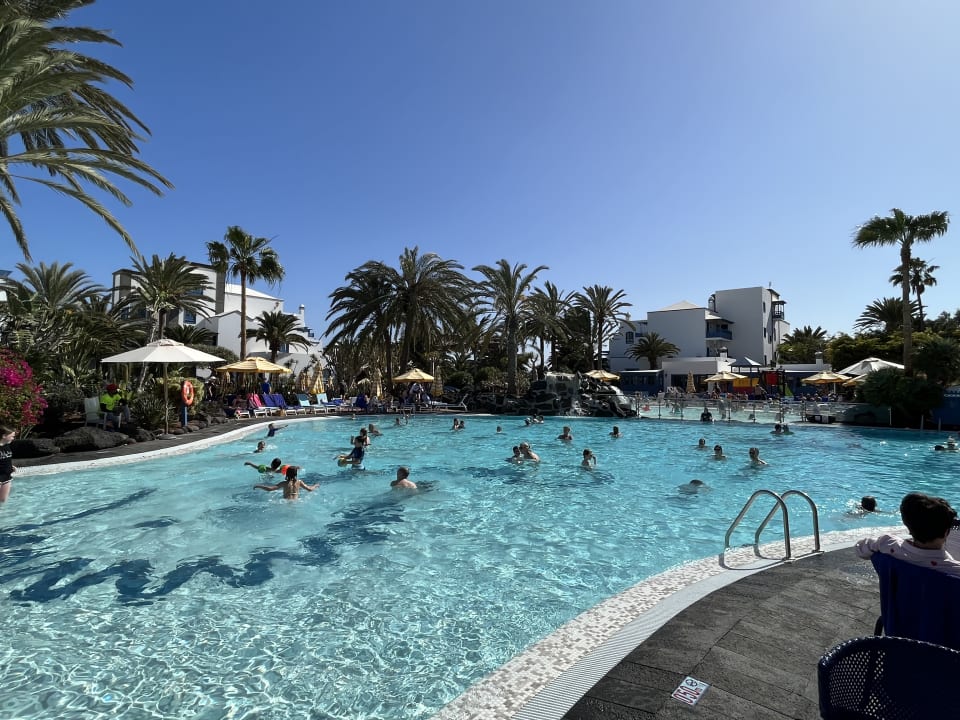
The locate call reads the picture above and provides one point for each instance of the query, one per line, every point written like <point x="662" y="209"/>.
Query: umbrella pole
<point x="166" y="409"/>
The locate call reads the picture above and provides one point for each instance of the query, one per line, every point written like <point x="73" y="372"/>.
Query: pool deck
<point x="755" y="642"/>
<point x="753" y="635"/>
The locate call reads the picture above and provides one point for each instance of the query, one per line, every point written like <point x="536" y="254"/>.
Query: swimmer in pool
<point x="272" y="429"/>
<point x="403" y="481"/>
<point x="718" y="453"/>
<point x="616" y="432"/>
<point x="692" y="487"/>
<point x="754" y="454"/>
<point x="274" y="466"/>
<point x="702" y="444"/>
<point x="527" y="453"/>
<point x="566" y="435"/>
<point x="517" y="456"/>
<point x="355" y="457"/>
<point x="290" y="485"/>
<point x="589" y="459"/>
<point x="261" y="446"/>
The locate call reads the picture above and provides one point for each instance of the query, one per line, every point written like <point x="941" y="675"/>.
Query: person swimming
<point x="754" y="455"/>
<point x="589" y="459"/>
<point x="702" y="444"/>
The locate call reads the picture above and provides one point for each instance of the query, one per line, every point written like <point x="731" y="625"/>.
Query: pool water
<point x="170" y="588"/>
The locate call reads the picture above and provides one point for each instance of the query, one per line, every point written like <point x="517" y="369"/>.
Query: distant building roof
<point x="234" y="289"/>
<point x="682" y="305"/>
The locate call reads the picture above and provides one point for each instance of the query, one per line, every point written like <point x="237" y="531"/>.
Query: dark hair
<point x="275" y="463"/>
<point x="292" y="472"/>
<point x="403" y="472"/>
<point x="717" y="447"/>
<point x="868" y="503"/>
<point x="927" y="518"/>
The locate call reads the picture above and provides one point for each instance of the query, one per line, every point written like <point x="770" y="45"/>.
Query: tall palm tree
<point x="548" y="305"/>
<point x="165" y="285"/>
<point x="360" y="310"/>
<point x="505" y="295"/>
<point x="920" y="276"/>
<point x="885" y="315"/>
<point x="802" y="344"/>
<point x="903" y="230"/>
<point x="248" y="258"/>
<point x="653" y="346"/>
<point x="278" y="329"/>
<point x="60" y="128"/>
<point x="190" y="335"/>
<point x="606" y="309"/>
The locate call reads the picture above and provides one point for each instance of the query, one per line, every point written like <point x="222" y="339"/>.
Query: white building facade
<point x="222" y="316"/>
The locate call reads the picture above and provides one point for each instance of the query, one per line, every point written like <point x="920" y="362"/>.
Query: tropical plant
<point x="505" y="296"/>
<point x="939" y="359"/>
<point x="843" y="350"/>
<point x="910" y="398"/>
<point x="21" y="398"/>
<point x="278" y="329"/>
<point x="190" y="335"/>
<point x="360" y="311"/>
<point x="548" y="305"/>
<point x="920" y="276"/>
<point x="248" y="258"/>
<point x="166" y="285"/>
<point x="61" y="130"/>
<point x="802" y="345"/>
<point x="883" y="315"/>
<point x="652" y="346"/>
<point x="606" y="309"/>
<point x="574" y="354"/>
<point x="903" y="230"/>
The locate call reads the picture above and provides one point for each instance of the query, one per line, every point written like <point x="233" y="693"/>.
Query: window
<point x="629" y="338"/>
<point x="764" y="333"/>
<point x="189" y="318"/>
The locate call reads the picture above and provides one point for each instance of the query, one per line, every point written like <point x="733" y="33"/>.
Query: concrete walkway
<point x="755" y="642"/>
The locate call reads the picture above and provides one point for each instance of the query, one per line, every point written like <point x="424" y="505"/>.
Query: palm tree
<point x="166" y="285"/>
<point x="248" y="258"/>
<point x="505" y="295"/>
<point x="802" y="345"/>
<point x="278" y="329"/>
<point x="885" y="315"/>
<point x="190" y="335"/>
<point x="360" y="309"/>
<point x="61" y="129"/>
<point x="920" y="277"/>
<point x="653" y="346"/>
<point x="903" y="230"/>
<point x="606" y="308"/>
<point x="548" y="305"/>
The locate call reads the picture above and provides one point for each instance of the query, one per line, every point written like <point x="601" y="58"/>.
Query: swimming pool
<point x="172" y="589"/>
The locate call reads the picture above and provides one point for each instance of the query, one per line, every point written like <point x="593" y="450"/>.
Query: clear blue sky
<point x="668" y="149"/>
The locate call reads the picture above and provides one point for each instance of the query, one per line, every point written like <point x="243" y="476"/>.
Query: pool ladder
<point x="782" y="506"/>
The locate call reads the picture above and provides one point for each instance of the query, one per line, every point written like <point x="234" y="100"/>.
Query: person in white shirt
<point x="929" y="520"/>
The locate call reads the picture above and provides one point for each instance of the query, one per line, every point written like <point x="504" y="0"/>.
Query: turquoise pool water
<point x="171" y="589"/>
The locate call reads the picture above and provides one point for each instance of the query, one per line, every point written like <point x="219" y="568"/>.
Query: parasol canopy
<point x="414" y="375"/>
<point x="869" y="365"/>
<point x="725" y="376"/>
<point x="253" y="364"/>
<point x="164" y="351"/>
<point x="602" y="375"/>
<point x="858" y="380"/>
<point x="825" y="377"/>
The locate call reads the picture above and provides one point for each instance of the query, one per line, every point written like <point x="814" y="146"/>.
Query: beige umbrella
<point x="253" y="364"/>
<point x="414" y="375"/>
<point x="691" y="385"/>
<point x="725" y="376"/>
<point x="824" y="378"/>
<point x="869" y="365"/>
<point x="602" y="375"/>
<point x="858" y="380"/>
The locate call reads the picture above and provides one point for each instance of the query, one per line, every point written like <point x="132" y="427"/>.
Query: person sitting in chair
<point x="929" y="520"/>
<point x="114" y="405"/>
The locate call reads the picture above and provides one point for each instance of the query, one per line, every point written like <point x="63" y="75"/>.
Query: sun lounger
<point x="308" y="407"/>
<point x="256" y="406"/>
<point x="278" y="401"/>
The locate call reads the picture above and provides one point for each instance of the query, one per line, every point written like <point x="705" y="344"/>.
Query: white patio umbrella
<point x="164" y="351"/>
<point x="869" y="365"/>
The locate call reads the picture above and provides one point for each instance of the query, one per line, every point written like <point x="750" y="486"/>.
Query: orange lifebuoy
<point x="186" y="392"/>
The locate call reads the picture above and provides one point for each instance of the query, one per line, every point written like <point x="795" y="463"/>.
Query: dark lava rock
<point x="90" y="438"/>
<point x="34" y="447"/>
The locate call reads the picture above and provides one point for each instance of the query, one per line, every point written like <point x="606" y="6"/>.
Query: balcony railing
<point x="719" y="334"/>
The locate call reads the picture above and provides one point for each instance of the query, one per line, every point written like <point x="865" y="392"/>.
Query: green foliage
<point x="910" y="397"/>
<point x="844" y="350"/>
<point x="21" y="400"/>
<point x="938" y="358"/>
<point x="460" y="379"/>
<point x="802" y="345"/>
<point x="148" y="408"/>
<point x="62" y="398"/>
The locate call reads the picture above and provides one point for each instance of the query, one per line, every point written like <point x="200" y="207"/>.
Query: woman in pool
<point x="718" y="453"/>
<point x="589" y="459"/>
<point x="754" y="454"/>
<point x="7" y="468"/>
<point x="290" y="485"/>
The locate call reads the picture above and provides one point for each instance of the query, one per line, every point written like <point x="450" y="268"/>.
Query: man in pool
<point x="718" y="453"/>
<point x="517" y="456"/>
<point x="929" y="520"/>
<point x="261" y="446"/>
<point x="290" y="485"/>
<point x="273" y="467"/>
<point x="616" y="432"/>
<point x="702" y="444"/>
<point x="566" y="435"/>
<point x="403" y="481"/>
<point x="527" y="453"/>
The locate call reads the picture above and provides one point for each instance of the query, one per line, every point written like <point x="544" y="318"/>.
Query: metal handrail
<point x="780" y="505"/>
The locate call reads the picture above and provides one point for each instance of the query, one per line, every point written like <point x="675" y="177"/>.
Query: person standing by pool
<point x="929" y="520"/>
<point x="403" y="482"/>
<point x="589" y="459"/>
<point x="7" y="468"/>
<point x="290" y="485"/>
<point x="566" y="435"/>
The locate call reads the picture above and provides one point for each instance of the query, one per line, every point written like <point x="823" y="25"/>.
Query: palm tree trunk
<point x="919" y="291"/>
<point x="243" y="315"/>
<point x="907" y="315"/>
<point x="511" y="360"/>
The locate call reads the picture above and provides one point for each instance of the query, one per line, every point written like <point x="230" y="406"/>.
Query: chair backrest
<point x="887" y="677"/>
<point x="275" y="399"/>
<point x="322" y="398"/>
<point x="254" y="400"/>
<point x="91" y="407"/>
<point x="918" y="602"/>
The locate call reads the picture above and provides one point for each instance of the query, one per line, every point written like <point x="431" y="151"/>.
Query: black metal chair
<point x="888" y="678"/>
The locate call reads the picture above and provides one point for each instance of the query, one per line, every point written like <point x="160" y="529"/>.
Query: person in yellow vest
<point x="114" y="405"/>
